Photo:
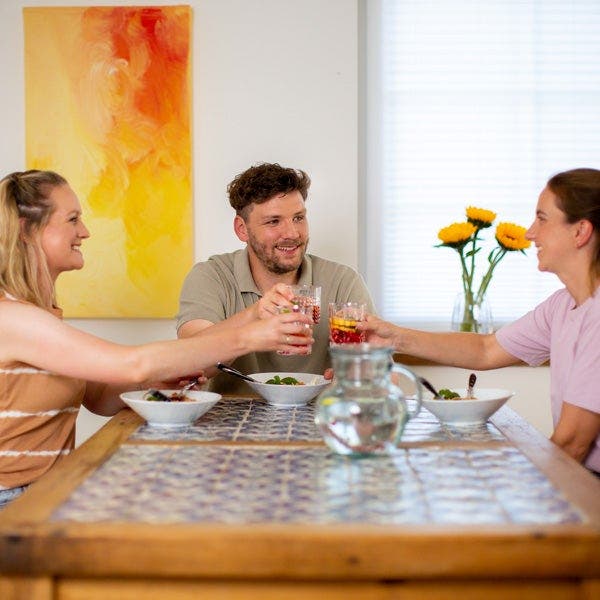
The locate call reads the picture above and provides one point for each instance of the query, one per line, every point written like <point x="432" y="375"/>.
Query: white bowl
<point x="171" y="414"/>
<point x="468" y="412"/>
<point x="287" y="396"/>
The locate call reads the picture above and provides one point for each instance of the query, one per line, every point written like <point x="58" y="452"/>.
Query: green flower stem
<point x="468" y="319"/>
<point x="473" y="252"/>
<point x="466" y="279"/>
<point x="495" y="257"/>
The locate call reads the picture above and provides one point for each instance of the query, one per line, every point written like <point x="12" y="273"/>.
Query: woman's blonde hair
<point x="24" y="211"/>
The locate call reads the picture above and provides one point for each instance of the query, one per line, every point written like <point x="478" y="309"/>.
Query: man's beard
<point x="270" y="261"/>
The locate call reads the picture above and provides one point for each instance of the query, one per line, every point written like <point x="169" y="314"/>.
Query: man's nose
<point x="290" y="229"/>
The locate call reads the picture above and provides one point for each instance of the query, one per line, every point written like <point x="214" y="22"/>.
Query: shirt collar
<point x="243" y="275"/>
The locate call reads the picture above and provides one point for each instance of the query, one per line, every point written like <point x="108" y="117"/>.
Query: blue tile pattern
<point x="279" y="484"/>
<point x="243" y="419"/>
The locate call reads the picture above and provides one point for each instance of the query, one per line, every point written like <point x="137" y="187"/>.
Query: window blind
<point x="470" y="103"/>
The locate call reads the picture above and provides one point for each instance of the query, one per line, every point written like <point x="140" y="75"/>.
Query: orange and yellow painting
<point x="107" y="92"/>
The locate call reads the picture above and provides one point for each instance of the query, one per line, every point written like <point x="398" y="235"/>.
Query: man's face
<point x="276" y="232"/>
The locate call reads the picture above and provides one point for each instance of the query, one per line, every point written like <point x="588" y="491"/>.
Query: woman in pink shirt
<point x="564" y="329"/>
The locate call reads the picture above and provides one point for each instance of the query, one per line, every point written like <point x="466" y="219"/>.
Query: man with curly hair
<point x="269" y="201"/>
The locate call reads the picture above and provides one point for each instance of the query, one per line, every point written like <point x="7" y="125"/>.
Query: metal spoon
<point x="235" y="372"/>
<point x="164" y="398"/>
<point x="189" y="385"/>
<point x="428" y="385"/>
<point x="471" y="385"/>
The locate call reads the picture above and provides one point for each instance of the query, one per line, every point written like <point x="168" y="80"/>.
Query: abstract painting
<point x="108" y="100"/>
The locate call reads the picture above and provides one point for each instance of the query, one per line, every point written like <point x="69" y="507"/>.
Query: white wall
<point x="273" y="80"/>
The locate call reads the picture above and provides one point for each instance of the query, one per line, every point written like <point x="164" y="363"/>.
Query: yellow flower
<point x="480" y="217"/>
<point x="464" y="239"/>
<point x="456" y="234"/>
<point x="511" y="236"/>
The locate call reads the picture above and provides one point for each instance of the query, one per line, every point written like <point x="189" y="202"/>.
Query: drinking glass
<point x="343" y="318"/>
<point x="305" y="309"/>
<point x="309" y="295"/>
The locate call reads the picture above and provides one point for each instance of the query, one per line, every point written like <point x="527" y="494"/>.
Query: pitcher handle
<point x="397" y="368"/>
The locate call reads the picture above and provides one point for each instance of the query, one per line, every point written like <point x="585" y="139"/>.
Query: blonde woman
<point x="564" y="329"/>
<point x="48" y="368"/>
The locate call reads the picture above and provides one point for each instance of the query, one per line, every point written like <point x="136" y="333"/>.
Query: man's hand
<point x="279" y="295"/>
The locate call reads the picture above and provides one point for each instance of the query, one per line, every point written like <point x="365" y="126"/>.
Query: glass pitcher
<point x="363" y="411"/>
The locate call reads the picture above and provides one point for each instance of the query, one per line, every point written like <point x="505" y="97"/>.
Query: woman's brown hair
<point x="578" y="194"/>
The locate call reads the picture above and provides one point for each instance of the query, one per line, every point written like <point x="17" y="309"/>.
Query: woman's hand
<point x="379" y="332"/>
<point x="287" y="332"/>
<point x="279" y="295"/>
<point x="180" y="382"/>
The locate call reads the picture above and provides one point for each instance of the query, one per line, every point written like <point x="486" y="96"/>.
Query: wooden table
<point x="250" y="504"/>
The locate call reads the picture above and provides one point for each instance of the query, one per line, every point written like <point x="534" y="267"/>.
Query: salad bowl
<point x="177" y="413"/>
<point x="286" y="395"/>
<point x="463" y="411"/>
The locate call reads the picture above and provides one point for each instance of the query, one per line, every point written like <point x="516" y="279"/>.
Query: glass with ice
<point x="308" y="295"/>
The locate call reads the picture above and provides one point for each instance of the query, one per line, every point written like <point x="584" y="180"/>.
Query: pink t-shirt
<point x="570" y="337"/>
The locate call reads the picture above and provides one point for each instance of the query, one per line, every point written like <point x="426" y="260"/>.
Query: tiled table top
<point x="262" y="484"/>
<point x="244" y="419"/>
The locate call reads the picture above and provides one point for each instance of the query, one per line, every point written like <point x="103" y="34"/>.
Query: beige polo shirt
<point x="223" y="285"/>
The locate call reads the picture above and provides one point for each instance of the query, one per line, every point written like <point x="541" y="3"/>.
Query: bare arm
<point x="465" y="350"/>
<point x="103" y="399"/>
<point x="576" y="430"/>
<point x="264" y="308"/>
<point x="280" y="294"/>
<point x="34" y="336"/>
<point x="193" y="327"/>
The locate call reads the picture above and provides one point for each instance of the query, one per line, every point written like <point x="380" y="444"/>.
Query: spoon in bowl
<point x="235" y="372"/>
<point x="188" y="386"/>
<point x="471" y="385"/>
<point x="430" y="387"/>
<point x="158" y="395"/>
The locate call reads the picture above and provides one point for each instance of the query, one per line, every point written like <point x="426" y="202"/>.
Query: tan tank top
<point x="37" y="418"/>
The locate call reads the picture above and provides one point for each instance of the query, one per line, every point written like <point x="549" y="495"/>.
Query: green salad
<point x="447" y="394"/>
<point x="284" y="381"/>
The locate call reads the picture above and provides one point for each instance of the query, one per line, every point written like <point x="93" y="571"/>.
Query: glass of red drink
<point x="296" y="307"/>
<point x="343" y="318"/>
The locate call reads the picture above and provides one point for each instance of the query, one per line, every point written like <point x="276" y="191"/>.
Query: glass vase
<point x="469" y="315"/>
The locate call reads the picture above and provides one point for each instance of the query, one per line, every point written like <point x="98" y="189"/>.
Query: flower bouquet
<point x="464" y="238"/>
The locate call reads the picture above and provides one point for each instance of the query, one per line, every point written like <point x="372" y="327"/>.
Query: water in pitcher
<point x="363" y="412"/>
